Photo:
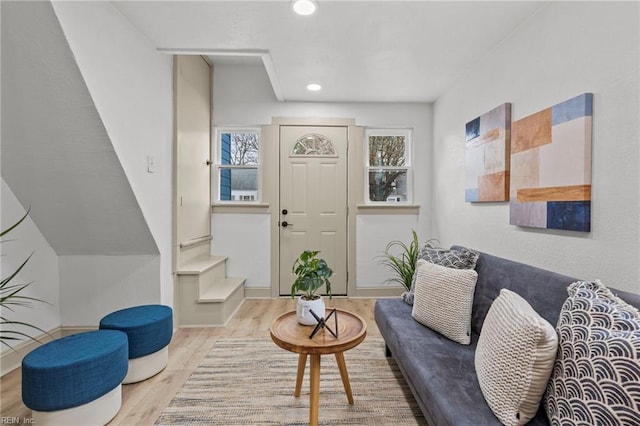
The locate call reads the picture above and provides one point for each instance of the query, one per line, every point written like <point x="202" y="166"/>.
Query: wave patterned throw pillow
<point x="456" y="259"/>
<point x="596" y="376"/>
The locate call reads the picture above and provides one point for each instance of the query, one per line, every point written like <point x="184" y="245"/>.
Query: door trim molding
<point x="355" y="185"/>
<point x="271" y="188"/>
<point x="311" y="121"/>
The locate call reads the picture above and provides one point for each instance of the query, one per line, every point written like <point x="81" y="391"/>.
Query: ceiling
<point x="360" y="51"/>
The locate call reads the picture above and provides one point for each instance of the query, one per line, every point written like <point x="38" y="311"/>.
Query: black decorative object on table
<point x="322" y="323"/>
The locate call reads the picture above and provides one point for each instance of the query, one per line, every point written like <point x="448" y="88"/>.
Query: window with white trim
<point x="237" y="165"/>
<point x="388" y="174"/>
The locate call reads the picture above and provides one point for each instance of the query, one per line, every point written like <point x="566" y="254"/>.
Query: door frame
<point x="311" y="219"/>
<point x="271" y="188"/>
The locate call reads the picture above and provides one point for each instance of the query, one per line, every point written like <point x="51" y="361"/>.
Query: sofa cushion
<point x="514" y="358"/>
<point x="434" y="367"/>
<point x="458" y="259"/>
<point x="443" y="299"/>
<point x="596" y="377"/>
<point x="439" y="371"/>
<point x="544" y="290"/>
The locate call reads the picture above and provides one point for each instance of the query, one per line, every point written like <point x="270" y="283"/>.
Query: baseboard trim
<point x="360" y="293"/>
<point x="68" y="331"/>
<point x="12" y="359"/>
<point x="377" y="292"/>
<point x="257" y="293"/>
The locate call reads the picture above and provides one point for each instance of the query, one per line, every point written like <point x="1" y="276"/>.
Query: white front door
<point x="313" y="200"/>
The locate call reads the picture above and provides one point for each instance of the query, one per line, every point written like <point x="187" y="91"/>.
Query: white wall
<point x="41" y="270"/>
<point x="565" y="49"/>
<point x="373" y="233"/>
<point x="56" y="153"/>
<point x="243" y="96"/>
<point x="132" y="87"/>
<point x="93" y="286"/>
<point x="244" y="238"/>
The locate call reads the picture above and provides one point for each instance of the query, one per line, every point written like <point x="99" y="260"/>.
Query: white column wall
<point x="565" y="49"/>
<point x="93" y="286"/>
<point x="131" y="85"/>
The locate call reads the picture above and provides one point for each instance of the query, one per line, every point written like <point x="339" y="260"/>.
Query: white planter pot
<point x="303" y="310"/>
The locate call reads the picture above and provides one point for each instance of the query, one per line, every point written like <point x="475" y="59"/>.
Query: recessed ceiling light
<point x="314" y="87"/>
<point x="304" y="7"/>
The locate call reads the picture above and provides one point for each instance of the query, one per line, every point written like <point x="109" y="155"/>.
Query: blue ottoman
<point x="76" y="379"/>
<point x="149" y="329"/>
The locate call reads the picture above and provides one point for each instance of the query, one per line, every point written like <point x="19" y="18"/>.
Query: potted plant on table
<point x="311" y="274"/>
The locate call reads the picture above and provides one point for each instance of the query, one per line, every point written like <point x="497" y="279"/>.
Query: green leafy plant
<point x="10" y="297"/>
<point x="311" y="273"/>
<point x="402" y="264"/>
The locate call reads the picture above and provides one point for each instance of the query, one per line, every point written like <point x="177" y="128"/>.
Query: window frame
<point x="218" y="166"/>
<point x="407" y="132"/>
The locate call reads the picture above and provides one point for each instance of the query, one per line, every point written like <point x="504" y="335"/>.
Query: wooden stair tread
<point x="222" y="290"/>
<point x="200" y="265"/>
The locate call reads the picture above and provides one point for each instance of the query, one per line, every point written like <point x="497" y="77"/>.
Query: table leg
<point x="344" y="375"/>
<point x="314" y="397"/>
<point x="302" y="362"/>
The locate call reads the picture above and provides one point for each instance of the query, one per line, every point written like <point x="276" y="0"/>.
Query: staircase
<point x="205" y="296"/>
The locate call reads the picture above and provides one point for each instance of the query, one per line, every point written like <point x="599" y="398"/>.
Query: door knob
<point x="285" y="224"/>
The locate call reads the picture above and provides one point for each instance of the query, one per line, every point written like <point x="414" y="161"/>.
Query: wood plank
<point x="289" y="335"/>
<point x="493" y="187"/>
<point x="531" y="132"/>
<point x="555" y="193"/>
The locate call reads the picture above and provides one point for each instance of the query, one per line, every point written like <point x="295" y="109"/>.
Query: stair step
<point x="222" y="290"/>
<point x="200" y="265"/>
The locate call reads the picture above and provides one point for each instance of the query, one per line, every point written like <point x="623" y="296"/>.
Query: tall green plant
<point x="403" y="264"/>
<point x="10" y="297"/>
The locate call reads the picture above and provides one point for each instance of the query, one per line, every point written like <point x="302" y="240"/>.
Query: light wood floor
<point x="142" y="403"/>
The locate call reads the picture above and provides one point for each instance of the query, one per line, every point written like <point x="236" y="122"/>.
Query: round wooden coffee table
<point x="294" y="337"/>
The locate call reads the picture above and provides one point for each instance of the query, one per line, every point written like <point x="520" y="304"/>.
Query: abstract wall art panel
<point x="487" y="156"/>
<point x="551" y="167"/>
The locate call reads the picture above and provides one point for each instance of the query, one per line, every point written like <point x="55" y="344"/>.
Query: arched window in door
<point x="313" y="145"/>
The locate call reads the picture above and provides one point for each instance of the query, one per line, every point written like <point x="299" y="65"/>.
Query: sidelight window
<point x="238" y="164"/>
<point x="388" y="166"/>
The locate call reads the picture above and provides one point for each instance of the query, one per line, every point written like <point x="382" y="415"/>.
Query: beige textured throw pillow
<point x="514" y="358"/>
<point x="443" y="299"/>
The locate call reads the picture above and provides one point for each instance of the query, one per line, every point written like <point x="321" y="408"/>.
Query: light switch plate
<point x="151" y="164"/>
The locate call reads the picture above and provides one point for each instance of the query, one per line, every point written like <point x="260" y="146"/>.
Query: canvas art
<point x="551" y="167"/>
<point x="487" y="156"/>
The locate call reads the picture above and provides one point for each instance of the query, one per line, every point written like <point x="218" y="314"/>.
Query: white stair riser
<point x="193" y="313"/>
<point x="206" y="297"/>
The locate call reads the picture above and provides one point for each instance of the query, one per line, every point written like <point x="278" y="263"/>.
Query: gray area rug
<point x="251" y="382"/>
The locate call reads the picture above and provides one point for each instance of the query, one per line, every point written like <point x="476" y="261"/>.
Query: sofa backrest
<point x="545" y="291"/>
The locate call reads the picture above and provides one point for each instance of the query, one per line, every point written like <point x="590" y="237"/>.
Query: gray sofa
<point x="441" y="372"/>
